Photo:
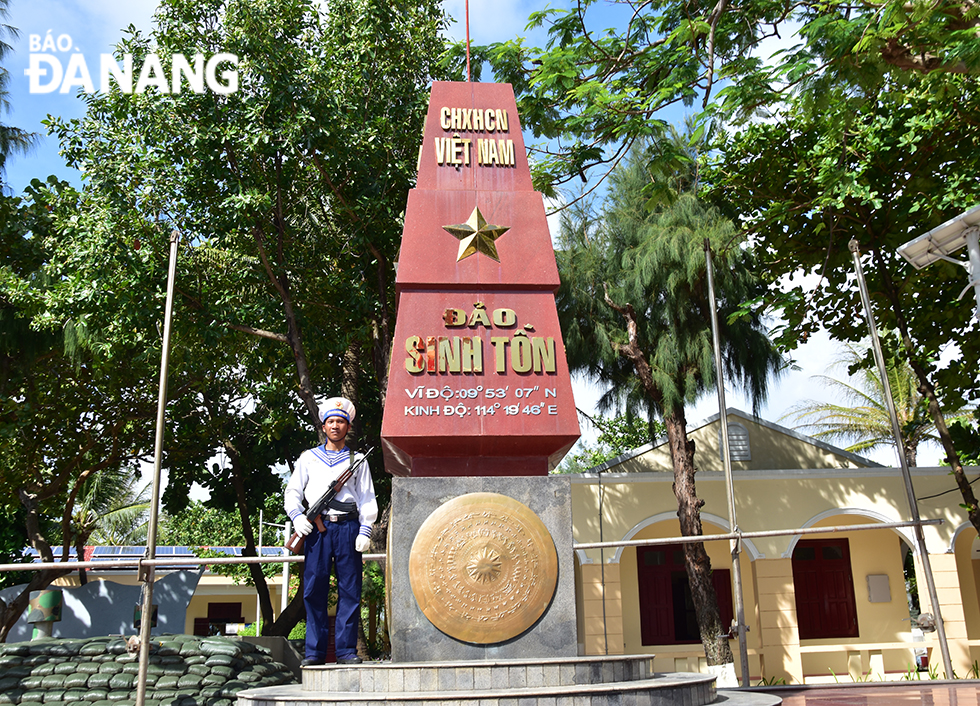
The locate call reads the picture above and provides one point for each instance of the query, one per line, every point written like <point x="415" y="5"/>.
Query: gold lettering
<point x="430" y="354"/>
<point x="488" y="120"/>
<point x="544" y="354"/>
<point x="415" y="362"/>
<point x="479" y="316"/>
<point x="504" y="317"/>
<point x="456" y="150"/>
<point x="505" y="151"/>
<point x="467" y="120"/>
<point x="444" y="118"/>
<point x="466" y="151"/>
<point x="457" y="118"/>
<point x="521" y="359"/>
<point x="454" y="317"/>
<point x="491" y="152"/>
<point x="499" y="344"/>
<point x="472" y="354"/>
<point x="501" y="116"/>
<point x="449" y="354"/>
<point x="477" y="120"/>
<point x="440" y="150"/>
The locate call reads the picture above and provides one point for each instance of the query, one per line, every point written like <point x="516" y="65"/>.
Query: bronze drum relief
<point x="483" y="568"/>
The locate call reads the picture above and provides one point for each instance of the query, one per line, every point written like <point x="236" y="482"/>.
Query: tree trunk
<point x="254" y="570"/>
<point x="295" y="611"/>
<point x="350" y="376"/>
<point x="381" y="330"/>
<point x="714" y="635"/>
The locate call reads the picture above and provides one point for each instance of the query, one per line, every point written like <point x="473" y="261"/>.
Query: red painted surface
<point x="458" y="419"/>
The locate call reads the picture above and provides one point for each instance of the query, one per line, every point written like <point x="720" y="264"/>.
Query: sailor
<point x="339" y="536"/>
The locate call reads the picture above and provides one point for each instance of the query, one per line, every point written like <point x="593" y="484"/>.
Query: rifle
<point x="295" y="543"/>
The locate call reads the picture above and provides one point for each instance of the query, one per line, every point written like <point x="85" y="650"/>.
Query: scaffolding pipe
<point x="906" y="474"/>
<point x="151" y="537"/>
<point x="734" y="545"/>
<point x="752" y="535"/>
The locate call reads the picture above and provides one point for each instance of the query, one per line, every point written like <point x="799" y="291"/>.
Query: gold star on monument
<point x="476" y="235"/>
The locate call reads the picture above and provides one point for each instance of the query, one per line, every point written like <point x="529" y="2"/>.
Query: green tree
<point x="287" y="194"/>
<point x="617" y="436"/>
<point x="67" y="412"/>
<point x="635" y="315"/>
<point x="863" y="420"/>
<point x="110" y="510"/>
<point x="202" y="526"/>
<point x="601" y="88"/>
<point x="879" y="164"/>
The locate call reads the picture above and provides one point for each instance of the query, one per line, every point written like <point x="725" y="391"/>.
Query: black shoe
<point x="351" y="659"/>
<point x="311" y="662"/>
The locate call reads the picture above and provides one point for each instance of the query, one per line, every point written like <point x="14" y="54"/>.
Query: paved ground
<point x="934" y="693"/>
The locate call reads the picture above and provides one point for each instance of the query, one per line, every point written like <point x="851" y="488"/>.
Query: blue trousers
<point x="335" y="547"/>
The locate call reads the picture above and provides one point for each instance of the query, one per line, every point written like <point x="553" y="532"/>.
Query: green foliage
<point x="636" y="315"/>
<point x="12" y="139"/>
<point x="617" y="436"/>
<point x="634" y="293"/>
<point x="863" y="419"/>
<point x="299" y="631"/>
<point x="202" y="526"/>
<point x="602" y="88"/>
<point x="880" y="166"/>
<point x="13" y="539"/>
<point x="772" y="681"/>
<point x="966" y="435"/>
<point x="69" y="412"/>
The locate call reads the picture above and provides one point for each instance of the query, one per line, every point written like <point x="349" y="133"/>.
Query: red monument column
<point x="479" y="384"/>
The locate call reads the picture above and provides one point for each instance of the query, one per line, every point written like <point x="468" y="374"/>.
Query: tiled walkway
<point x="938" y="693"/>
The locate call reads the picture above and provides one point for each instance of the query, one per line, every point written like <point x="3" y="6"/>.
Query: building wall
<point x="641" y="506"/>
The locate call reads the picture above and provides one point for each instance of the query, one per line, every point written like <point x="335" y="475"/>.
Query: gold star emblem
<point x="476" y="235"/>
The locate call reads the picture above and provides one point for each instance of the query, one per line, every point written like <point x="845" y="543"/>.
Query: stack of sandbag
<point x="184" y="670"/>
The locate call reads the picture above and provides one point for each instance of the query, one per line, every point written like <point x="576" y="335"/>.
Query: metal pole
<point x="151" y="536"/>
<point x="973" y="251"/>
<point x="258" y="604"/>
<point x="468" y="77"/>
<point x="284" y="598"/>
<point x="906" y="475"/>
<point x="735" y="545"/>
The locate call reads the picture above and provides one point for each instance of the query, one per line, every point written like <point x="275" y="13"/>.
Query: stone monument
<point x="479" y="405"/>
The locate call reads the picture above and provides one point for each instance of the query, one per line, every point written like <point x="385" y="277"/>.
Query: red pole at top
<point x="468" y="79"/>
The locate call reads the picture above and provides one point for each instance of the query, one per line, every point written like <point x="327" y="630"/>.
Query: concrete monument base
<point x="414" y="638"/>
<point x="580" y="681"/>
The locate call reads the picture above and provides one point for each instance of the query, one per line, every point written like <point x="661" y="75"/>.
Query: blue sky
<point x="95" y="26"/>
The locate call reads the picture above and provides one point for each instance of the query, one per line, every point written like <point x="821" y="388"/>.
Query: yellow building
<point x="192" y="601"/>
<point x="820" y="607"/>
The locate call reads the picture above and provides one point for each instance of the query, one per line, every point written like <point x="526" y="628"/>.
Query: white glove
<point x="302" y="526"/>
<point x="362" y="543"/>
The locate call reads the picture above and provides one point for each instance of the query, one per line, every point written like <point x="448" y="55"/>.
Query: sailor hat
<point x="337" y="407"/>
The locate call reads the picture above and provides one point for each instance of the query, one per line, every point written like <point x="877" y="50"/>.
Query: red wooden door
<point x="824" y="585"/>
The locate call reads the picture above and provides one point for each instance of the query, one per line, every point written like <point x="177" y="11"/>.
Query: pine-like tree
<point x="635" y="312"/>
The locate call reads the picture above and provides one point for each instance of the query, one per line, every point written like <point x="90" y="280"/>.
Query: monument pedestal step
<point x="574" y="681"/>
